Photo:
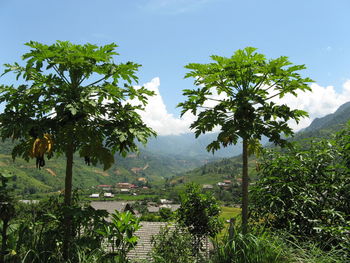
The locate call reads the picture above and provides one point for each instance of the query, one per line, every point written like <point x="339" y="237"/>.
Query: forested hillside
<point x="154" y="167"/>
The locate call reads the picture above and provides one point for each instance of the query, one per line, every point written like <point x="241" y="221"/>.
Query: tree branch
<point x="257" y="86"/>
<point x="274" y="84"/>
<point x="97" y="81"/>
<point x="81" y="81"/>
<point x="60" y="74"/>
<point x="214" y="100"/>
<point x="274" y="95"/>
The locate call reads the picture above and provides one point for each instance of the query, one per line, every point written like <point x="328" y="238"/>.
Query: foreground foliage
<point x="249" y="248"/>
<point x="173" y="245"/>
<point x="37" y="233"/>
<point x="7" y="213"/>
<point x="271" y="247"/>
<point x="306" y="192"/>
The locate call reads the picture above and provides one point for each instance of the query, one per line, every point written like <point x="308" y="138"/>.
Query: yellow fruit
<point x="40" y="147"/>
<point x="49" y="142"/>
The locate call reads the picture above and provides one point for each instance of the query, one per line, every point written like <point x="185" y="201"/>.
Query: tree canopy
<point x="56" y="98"/>
<point x="241" y="88"/>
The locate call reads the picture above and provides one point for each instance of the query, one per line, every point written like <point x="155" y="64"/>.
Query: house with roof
<point x="111" y="206"/>
<point x="125" y="185"/>
<point x="108" y="195"/>
<point x="105" y="187"/>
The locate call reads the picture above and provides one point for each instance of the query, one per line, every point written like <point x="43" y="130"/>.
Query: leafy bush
<point x="166" y="214"/>
<point x="305" y="191"/>
<point x="172" y="245"/>
<point x="40" y="233"/>
<point x="199" y="213"/>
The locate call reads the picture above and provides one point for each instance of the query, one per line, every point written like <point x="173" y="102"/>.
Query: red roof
<point x="104" y="185"/>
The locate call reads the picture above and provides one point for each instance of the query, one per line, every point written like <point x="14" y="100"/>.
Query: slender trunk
<point x="4" y="241"/>
<point x="68" y="200"/>
<point x="245" y="188"/>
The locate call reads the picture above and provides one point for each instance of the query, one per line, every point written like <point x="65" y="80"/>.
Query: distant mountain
<point x="327" y="125"/>
<point x="334" y="121"/>
<point x="187" y="146"/>
<point x="230" y="168"/>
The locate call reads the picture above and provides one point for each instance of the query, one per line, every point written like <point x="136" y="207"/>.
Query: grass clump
<point x="249" y="248"/>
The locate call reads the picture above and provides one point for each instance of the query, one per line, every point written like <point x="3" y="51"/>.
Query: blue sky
<point x="165" y="35"/>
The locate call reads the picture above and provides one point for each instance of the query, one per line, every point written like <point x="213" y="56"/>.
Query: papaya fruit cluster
<point x="40" y="147"/>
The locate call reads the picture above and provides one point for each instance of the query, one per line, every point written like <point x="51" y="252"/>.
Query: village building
<point x="142" y="179"/>
<point x="227" y="182"/>
<point x="105" y="187"/>
<point x="111" y="206"/>
<point x="220" y="184"/>
<point x="208" y="186"/>
<point x="108" y="195"/>
<point x="152" y="209"/>
<point x="125" y="185"/>
<point x="172" y="207"/>
<point x="165" y="201"/>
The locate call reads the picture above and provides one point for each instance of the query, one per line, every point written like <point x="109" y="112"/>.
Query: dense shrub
<point x="306" y="191"/>
<point x="199" y="213"/>
<point x="172" y="245"/>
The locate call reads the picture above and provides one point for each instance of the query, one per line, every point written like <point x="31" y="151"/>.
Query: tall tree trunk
<point x="245" y="188"/>
<point x="68" y="200"/>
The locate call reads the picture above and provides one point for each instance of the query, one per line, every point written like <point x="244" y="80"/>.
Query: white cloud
<point x="318" y="103"/>
<point x="157" y="116"/>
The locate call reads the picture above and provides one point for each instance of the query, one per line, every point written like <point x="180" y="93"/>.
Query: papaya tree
<point x="78" y="97"/>
<point x="235" y="94"/>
